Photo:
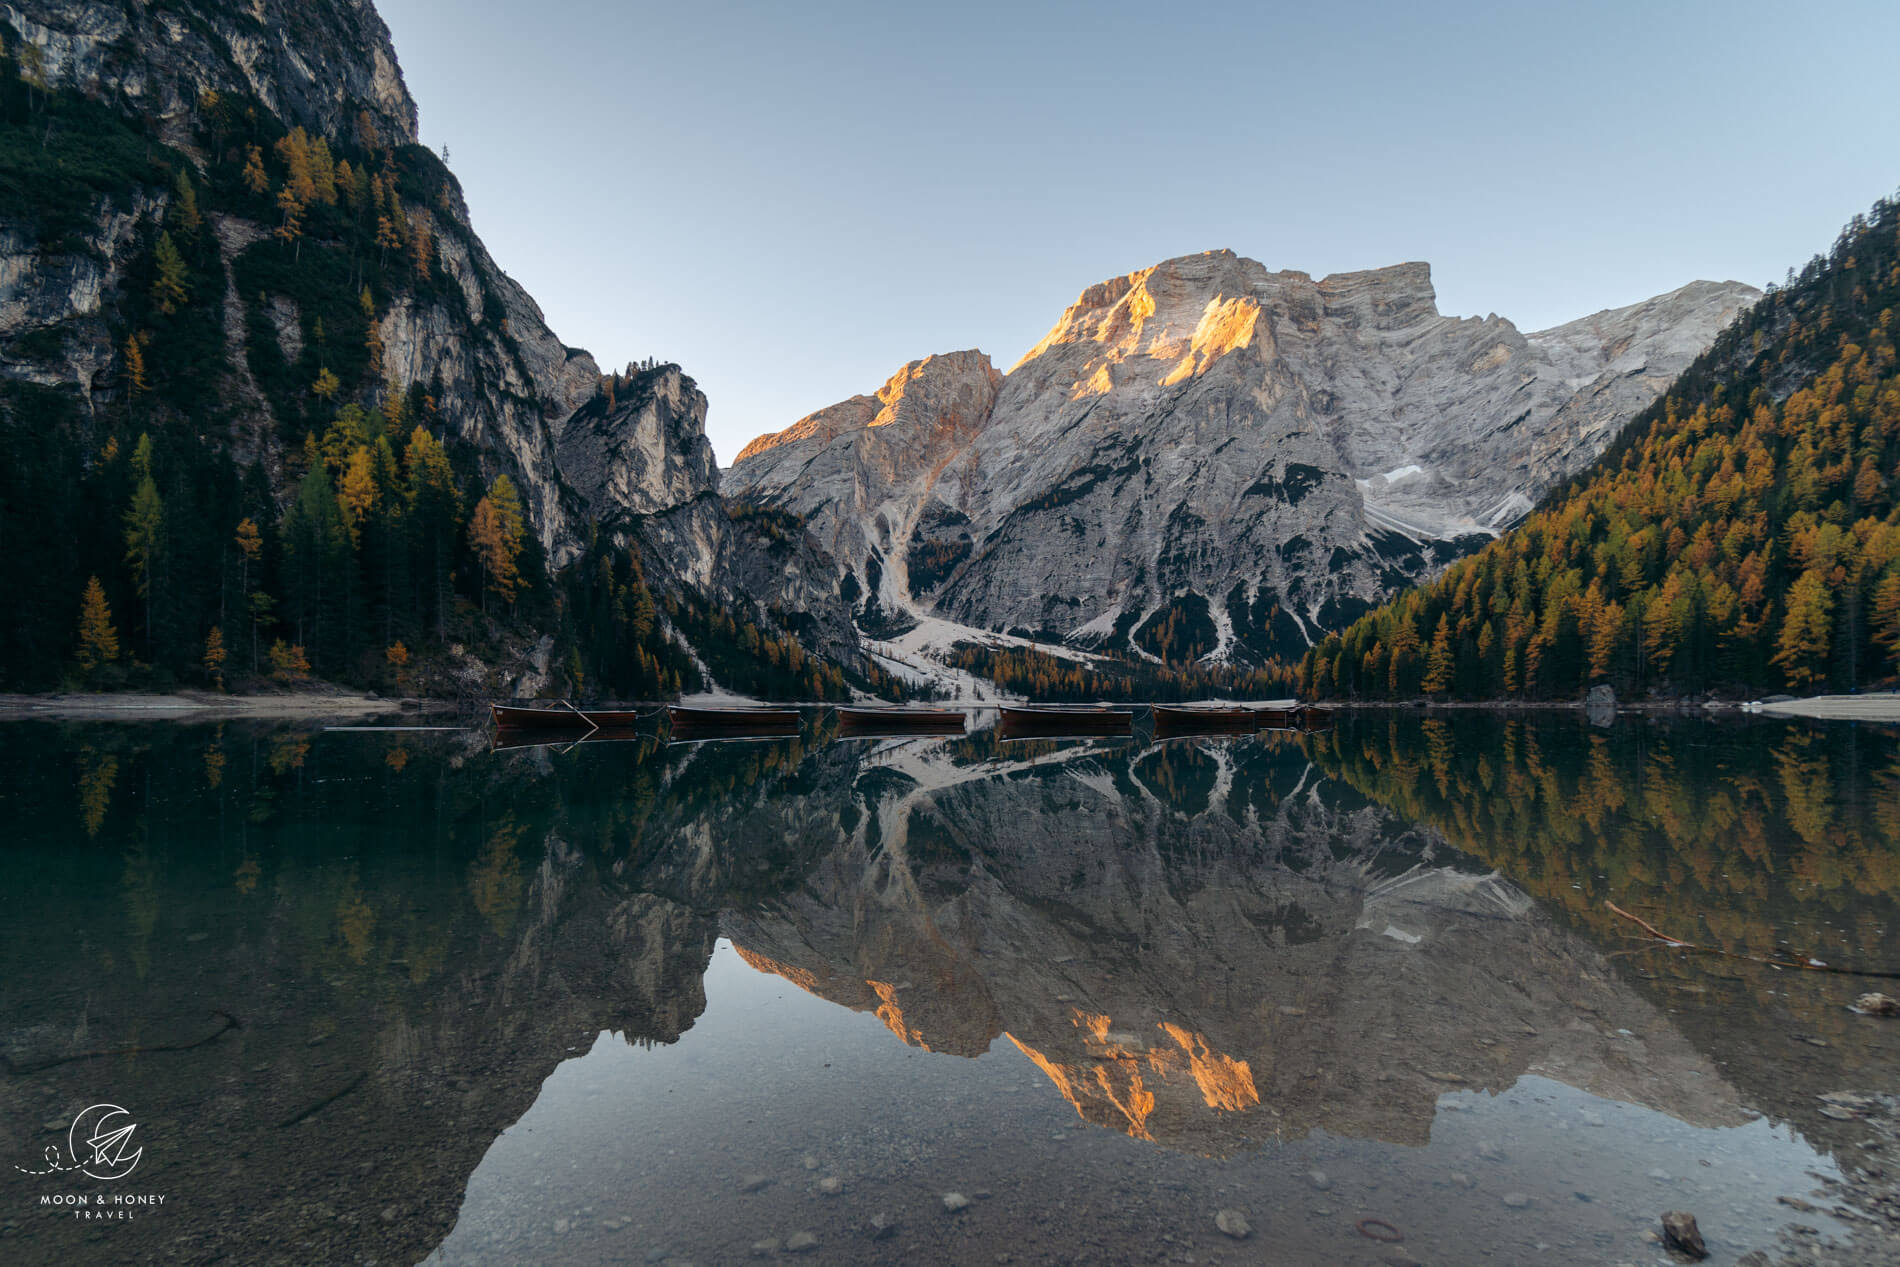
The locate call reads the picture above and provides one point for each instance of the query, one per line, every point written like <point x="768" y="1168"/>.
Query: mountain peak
<point x="1208" y="457"/>
<point x="951" y="390"/>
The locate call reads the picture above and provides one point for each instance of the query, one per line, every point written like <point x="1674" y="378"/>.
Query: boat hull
<point x="1050" y="723"/>
<point x="510" y="717"/>
<point x="733" y="721"/>
<point x="512" y="737"/>
<point x="1300" y="719"/>
<point x="899" y="721"/>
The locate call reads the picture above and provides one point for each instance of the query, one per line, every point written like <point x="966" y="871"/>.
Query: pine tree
<point x="290" y="229"/>
<point x="488" y="535"/>
<point x="422" y="250"/>
<point x="288" y="663"/>
<point x="322" y="173"/>
<point x="250" y="544"/>
<point x="299" y="177"/>
<point x="135" y="380"/>
<point x="144" y="527"/>
<point x="435" y="520"/>
<point x="1801" y="651"/>
<point x="498" y="539"/>
<point x="171" y="289"/>
<point x="373" y="336"/>
<point x="357" y="491"/>
<point x="214" y="656"/>
<point x="255" y="178"/>
<point x="1440" y="665"/>
<point x="184" y="212"/>
<point x="98" y="640"/>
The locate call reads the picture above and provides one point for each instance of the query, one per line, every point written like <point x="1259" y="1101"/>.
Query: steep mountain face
<point x="1209" y="446"/>
<point x="217" y="227"/>
<point x="479" y="344"/>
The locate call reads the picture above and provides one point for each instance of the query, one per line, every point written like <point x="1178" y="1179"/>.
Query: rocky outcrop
<point x="317" y="66"/>
<point x="1260" y="452"/>
<point x="640" y="452"/>
<point x="865" y="475"/>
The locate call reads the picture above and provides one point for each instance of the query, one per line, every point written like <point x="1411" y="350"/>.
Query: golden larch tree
<point x="215" y="655"/>
<point x="255" y="178"/>
<point x="135" y="380"/>
<point x="98" y="640"/>
<point x="357" y="491"/>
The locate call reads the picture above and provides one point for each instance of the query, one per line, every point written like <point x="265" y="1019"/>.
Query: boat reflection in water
<point x="867" y="722"/>
<point x="1063" y="722"/>
<point x="735" y="723"/>
<point x="1171" y="720"/>
<point x="625" y="990"/>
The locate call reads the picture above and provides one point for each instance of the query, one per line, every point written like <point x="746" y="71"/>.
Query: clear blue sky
<point x="792" y="200"/>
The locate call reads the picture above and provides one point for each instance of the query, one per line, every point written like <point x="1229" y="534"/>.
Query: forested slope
<point x="1743" y="534"/>
<point x="268" y="409"/>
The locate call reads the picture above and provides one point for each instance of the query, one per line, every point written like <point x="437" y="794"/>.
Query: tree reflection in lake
<point x="1243" y="957"/>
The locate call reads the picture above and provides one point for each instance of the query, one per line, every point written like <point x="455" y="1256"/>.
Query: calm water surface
<point x="394" y="997"/>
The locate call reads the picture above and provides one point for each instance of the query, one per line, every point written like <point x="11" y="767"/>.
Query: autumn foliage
<point x="1743" y="534"/>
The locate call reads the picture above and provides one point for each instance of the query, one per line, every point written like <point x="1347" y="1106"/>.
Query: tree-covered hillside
<point x="212" y="469"/>
<point x="1743" y="534"/>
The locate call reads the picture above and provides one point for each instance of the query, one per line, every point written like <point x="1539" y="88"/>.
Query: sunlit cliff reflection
<point x="1205" y="945"/>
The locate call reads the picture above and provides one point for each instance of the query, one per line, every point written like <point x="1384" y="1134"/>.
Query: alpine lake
<point x="1375" y="995"/>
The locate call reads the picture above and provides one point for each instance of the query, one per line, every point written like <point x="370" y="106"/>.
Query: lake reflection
<point x="392" y="995"/>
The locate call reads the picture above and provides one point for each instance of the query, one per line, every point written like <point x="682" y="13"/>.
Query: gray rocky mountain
<point x="631" y="460"/>
<point x="1206" y="458"/>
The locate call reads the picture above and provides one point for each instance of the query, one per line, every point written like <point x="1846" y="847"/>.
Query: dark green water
<point x="388" y="997"/>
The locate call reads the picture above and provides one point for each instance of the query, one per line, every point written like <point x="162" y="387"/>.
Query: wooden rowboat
<point x="899" y="721"/>
<point x="507" y="739"/>
<point x="1173" y="719"/>
<point x="1053" y="722"/>
<point x="1304" y="719"/>
<point x="566" y="717"/>
<point x="733" y="721"/>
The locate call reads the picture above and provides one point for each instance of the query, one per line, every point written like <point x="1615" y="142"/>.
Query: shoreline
<point x="1881" y="706"/>
<point x="195" y="705"/>
<point x="192" y="706"/>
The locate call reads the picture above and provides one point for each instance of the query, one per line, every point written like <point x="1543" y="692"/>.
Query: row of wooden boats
<point x="1016" y="721"/>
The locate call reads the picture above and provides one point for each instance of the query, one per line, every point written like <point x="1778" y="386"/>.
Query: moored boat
<point x="1056" y="722"/>
<point x="899" y="721"/>
<point x="733" y="721"/>
<point x="1176" y="719"/>
<point x="1312" y="719"/>
<point x="1304" y="719"/>
<point x="510" y="738"/>
<point x="565" y="717"/>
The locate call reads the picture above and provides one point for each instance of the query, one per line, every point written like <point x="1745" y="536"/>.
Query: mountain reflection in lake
<point x="394" y="996"/>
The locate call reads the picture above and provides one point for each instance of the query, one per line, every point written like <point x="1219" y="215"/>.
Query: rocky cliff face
<point x="1259" y="453"/>
<point x="185" y="92"/>
<point x="500" y="378"/>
